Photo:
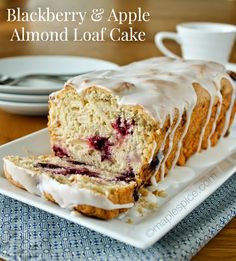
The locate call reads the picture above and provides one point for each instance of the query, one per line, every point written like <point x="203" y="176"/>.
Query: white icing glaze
<point x="212" y="99"/>
<point x="216" y="118"/>
<point x="171" y="139"/>
<point x="228" y="114"/>
<point x="22" y="176"/>
<point x="217" y="82"/>
<point x="65" y="195"/>
<point x="68" y="196"/>
<point x="159" y="91"/>
<point x="153" y="152"/>
<point x="160" y="86"/>
<point x="179" y="146"/>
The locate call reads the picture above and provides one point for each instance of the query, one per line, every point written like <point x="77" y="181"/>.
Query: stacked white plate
<point x="30" y="97"/>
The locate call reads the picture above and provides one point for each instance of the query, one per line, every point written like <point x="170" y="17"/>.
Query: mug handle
<point x="159" y="37"/>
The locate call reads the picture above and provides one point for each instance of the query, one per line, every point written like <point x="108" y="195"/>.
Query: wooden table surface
<point x="165" y="14"/>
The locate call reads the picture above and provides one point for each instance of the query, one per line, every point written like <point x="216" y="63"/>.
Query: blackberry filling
<point x="47" y="165"/>
<point x="81" y="171"/>
<point x="61" y="170"/>
<point x="123" y="127"/>
<point x="127" y="176"/>
<point x="59" y="152"/>
<point x="75" y="162"/>
<point x="136" y="194"/>
<point x="155" y="162"/>
<point x="101" y="144"/>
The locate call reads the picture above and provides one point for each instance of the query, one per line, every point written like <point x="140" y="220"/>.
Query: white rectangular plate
<point x="212" y="169"/>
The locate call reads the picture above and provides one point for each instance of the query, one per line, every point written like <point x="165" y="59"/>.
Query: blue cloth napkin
<point x="27" y="233"/>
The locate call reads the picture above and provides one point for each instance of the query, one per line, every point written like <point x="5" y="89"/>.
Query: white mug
<point x="201" y="41"/>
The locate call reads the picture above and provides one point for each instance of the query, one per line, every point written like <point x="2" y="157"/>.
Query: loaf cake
<point x="146" y="117"/>
<point x="136" y="122"/>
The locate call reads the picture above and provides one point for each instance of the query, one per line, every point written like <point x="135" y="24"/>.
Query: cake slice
<point x="73" y="185"/>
